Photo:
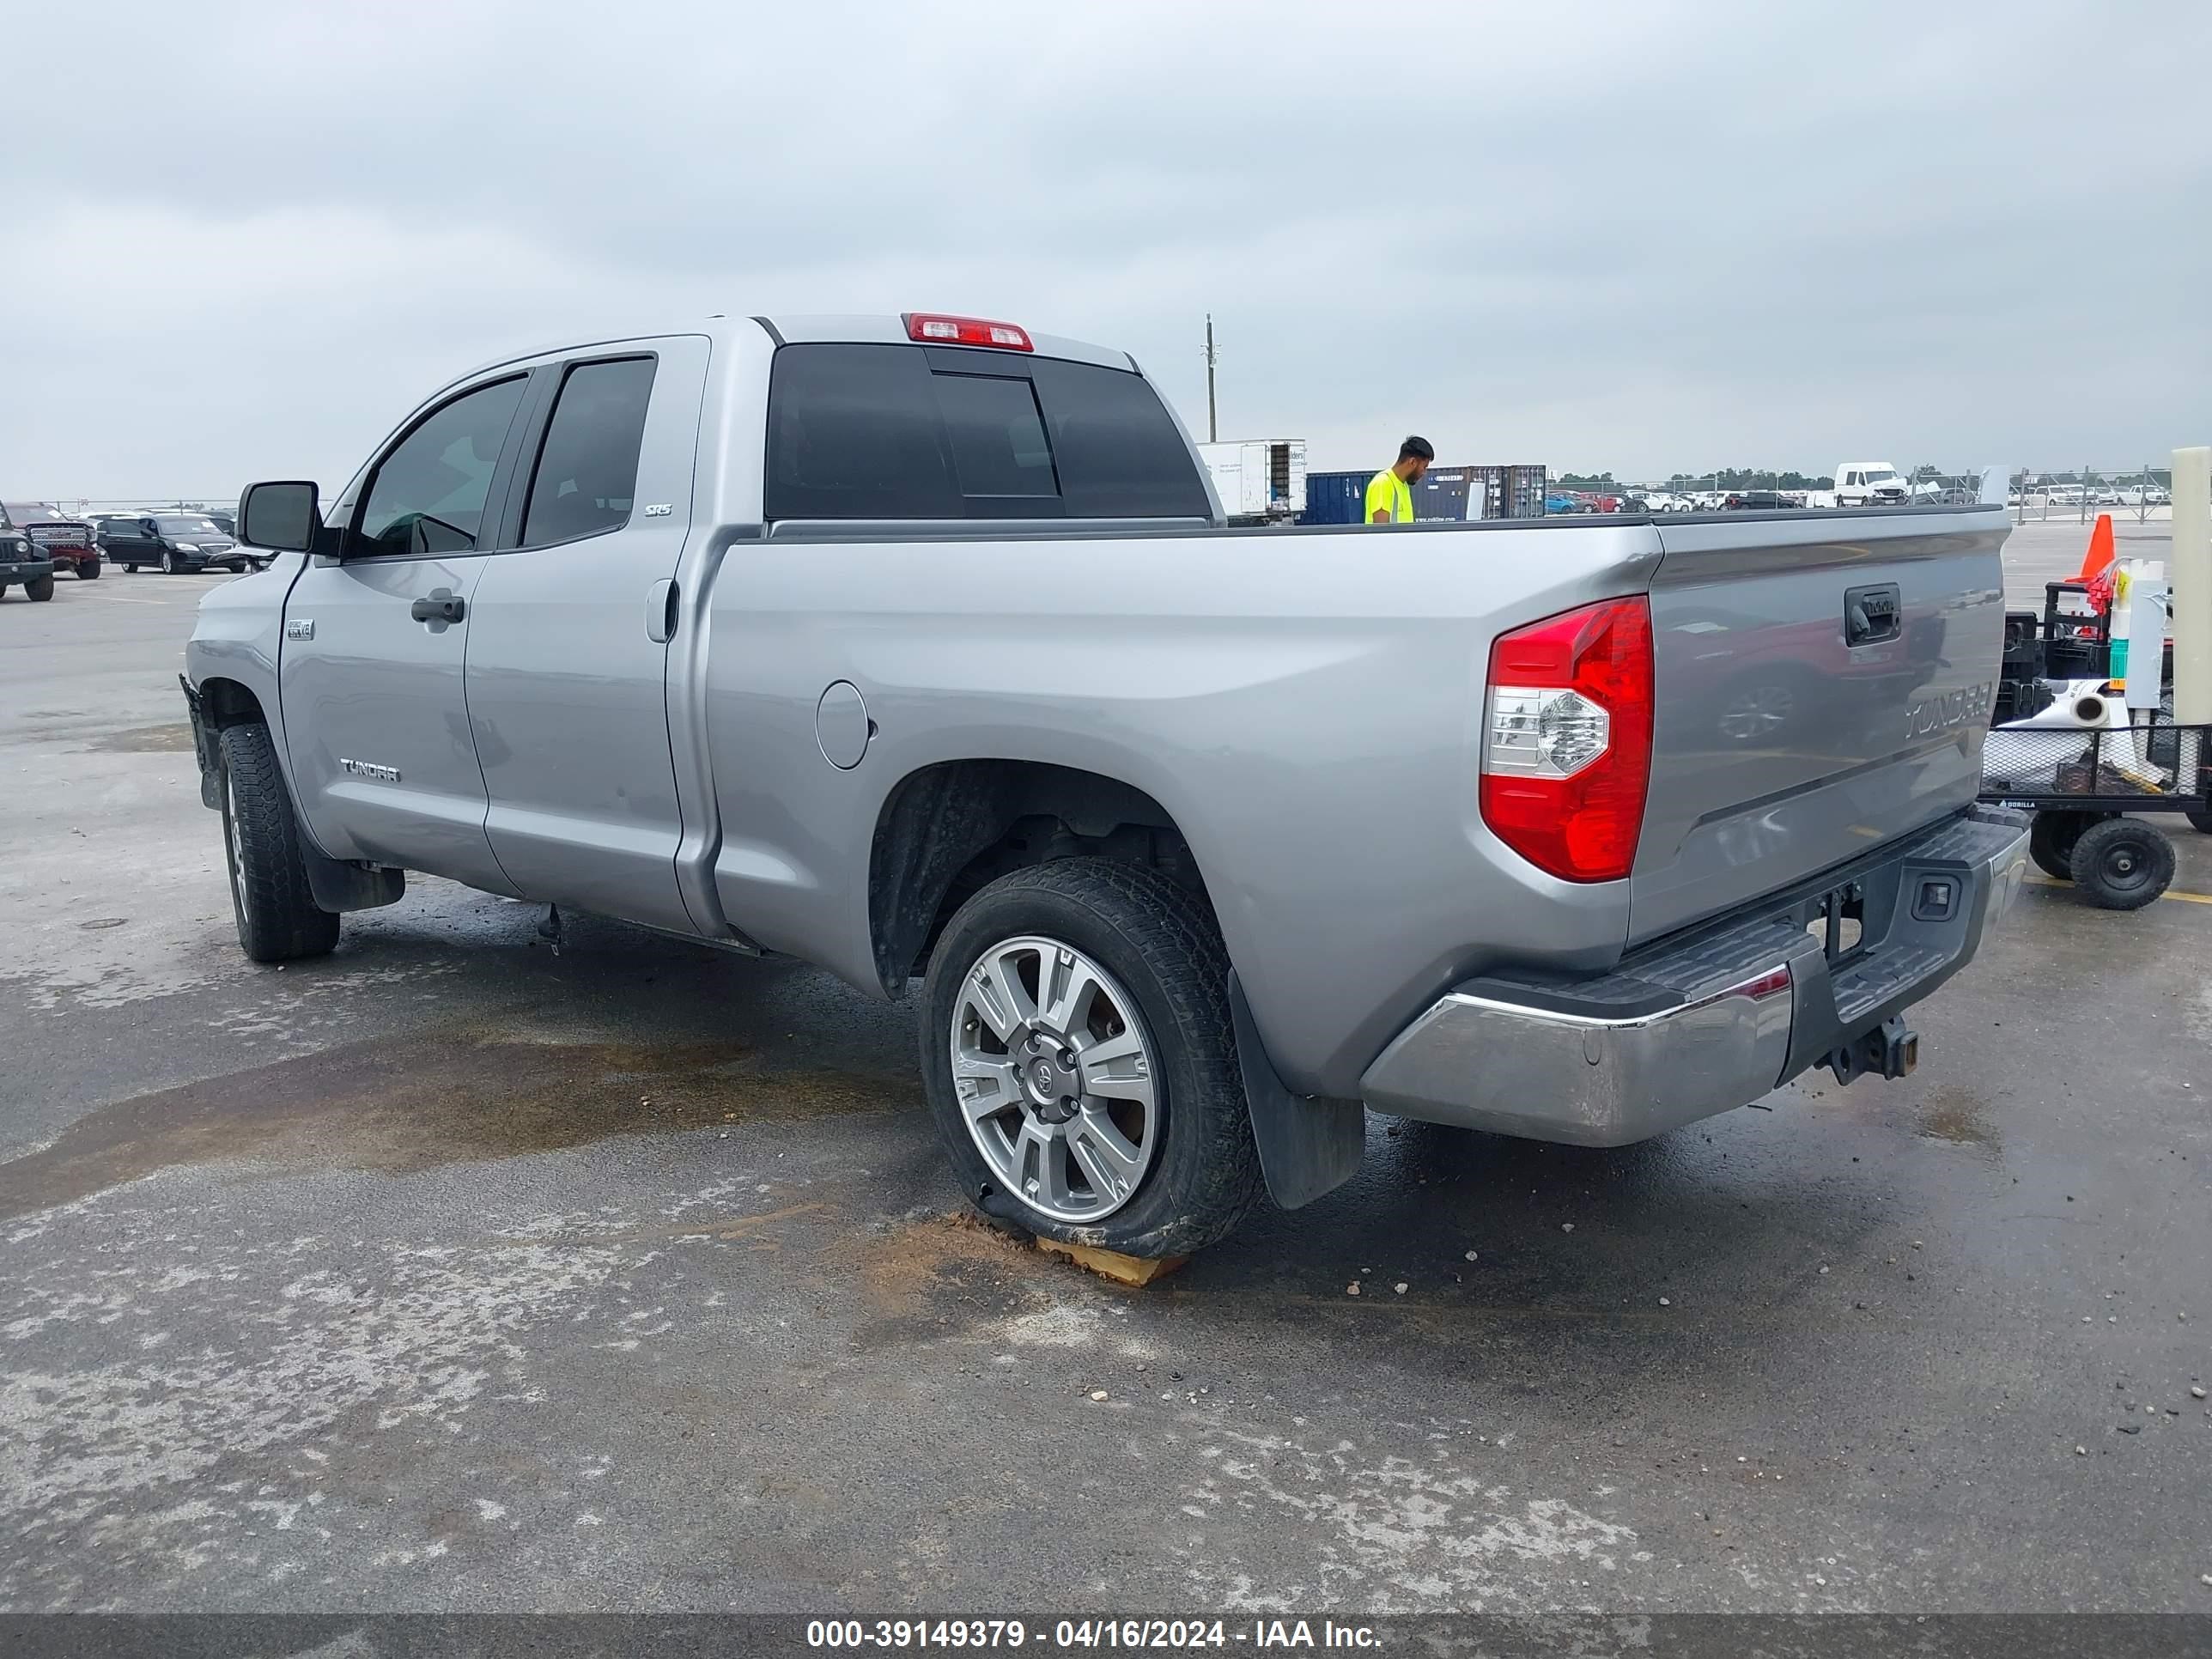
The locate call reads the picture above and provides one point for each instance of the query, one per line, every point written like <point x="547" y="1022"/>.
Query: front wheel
<point x="2200" y="820"/>
<point x="279" y="920"/>
<point x="170" y="563"/>
<point x="88" y="571"/>
<point x="1080" y="1061"/>
<point x="2123" y="864"/>
<point x="39" y="587"/>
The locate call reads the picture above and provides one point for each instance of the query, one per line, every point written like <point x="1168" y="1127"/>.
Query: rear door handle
<point x="660" y="601"/>
<point x="438" y="607"/>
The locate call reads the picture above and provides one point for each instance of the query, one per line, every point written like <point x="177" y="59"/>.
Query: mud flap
<point x="1308" y="1146"/>
<point x="340" y="887"/>
<point x="204" y="750"/>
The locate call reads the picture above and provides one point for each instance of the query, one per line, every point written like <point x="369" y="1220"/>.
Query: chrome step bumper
<point x="1715" y="1019"/>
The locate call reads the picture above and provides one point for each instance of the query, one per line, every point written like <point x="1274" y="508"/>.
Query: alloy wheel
<point x="1055" y="1075"/>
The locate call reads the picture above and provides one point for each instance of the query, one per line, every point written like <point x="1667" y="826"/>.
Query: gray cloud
<point x="1592" y="234"/>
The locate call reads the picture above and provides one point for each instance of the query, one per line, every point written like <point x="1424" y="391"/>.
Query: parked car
<point x="1219" y="859"/>
<point x="22" y="560"/>
<point x="170" y="541"/>
<point x="1760" y="500"/>
<point x="66" y="540"/>
<point x="1869" y="483"/>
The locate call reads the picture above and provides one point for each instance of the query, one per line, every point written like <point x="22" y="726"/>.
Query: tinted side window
<point x="854" y="433"/>
<point x="427" y="493"/>
<point x="588" y="467"/>
<point x="1119" y="454"/>
<point x="998" y="440"/>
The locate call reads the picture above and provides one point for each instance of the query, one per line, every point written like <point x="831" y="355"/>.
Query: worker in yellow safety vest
<point x="1390" y="492"/>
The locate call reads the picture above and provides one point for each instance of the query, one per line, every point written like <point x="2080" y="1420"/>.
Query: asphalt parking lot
<point x="451" y="1274"/>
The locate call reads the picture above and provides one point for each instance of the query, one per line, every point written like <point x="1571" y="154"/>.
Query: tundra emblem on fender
<point x="370" y="769"/>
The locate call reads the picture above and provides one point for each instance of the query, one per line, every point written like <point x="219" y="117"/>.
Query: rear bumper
<point x="1711" y="1019"/>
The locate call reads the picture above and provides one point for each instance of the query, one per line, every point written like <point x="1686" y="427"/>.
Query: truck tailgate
<point x="1822" y="685"/>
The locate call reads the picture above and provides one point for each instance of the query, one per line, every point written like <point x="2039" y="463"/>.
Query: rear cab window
<point x="585" y="478"/>
<point x="906" y="431"/>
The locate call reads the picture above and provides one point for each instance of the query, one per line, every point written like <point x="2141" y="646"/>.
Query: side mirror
<point x="281" y="516"/>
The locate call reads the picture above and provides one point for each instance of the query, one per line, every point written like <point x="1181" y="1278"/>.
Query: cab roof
<point x="786" y="328"/>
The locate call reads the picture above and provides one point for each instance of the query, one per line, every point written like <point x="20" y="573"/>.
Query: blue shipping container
<point x="1335" y="497"/>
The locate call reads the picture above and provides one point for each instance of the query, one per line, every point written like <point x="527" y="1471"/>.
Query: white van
<point x="1869" y="483"/>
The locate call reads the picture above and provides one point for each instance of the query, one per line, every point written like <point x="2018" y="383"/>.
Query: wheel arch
<point x="226" y="702"/>
<point x="947" y="828"/>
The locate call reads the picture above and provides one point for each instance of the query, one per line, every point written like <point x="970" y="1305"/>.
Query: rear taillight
<point x="1567" y="755"/>
<point x="931" y="329"/>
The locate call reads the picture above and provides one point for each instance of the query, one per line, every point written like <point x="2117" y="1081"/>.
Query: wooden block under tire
<point x="1112" y="1264"/>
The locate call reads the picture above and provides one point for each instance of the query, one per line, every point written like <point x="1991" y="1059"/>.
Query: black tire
<point x="2200" y="820"/>
<point x="279" y="920"/>
<point x="130" y="569"/>
<point x="170" y="563"/>
<point x="39" y="587"/>
<point x="1161" y="944"/>
<point x="2051" y="838"/>
<point x="88" y="571"/>
<point x="2123" y="864"/>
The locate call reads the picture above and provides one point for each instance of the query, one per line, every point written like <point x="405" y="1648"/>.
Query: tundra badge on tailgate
<point x="1940" y="714"/>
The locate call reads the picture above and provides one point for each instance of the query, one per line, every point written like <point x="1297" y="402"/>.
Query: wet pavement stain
<point x="400" y="1105"/>
<point x="1957" y="1115"/>
<point x="173" y="739"/>
<point x="921" y="1277"/>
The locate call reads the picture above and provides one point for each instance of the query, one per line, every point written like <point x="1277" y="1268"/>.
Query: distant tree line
<point x="1745" y="478"/>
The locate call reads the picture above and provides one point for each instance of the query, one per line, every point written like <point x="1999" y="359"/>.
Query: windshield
<point x="1882" y="475"/>
<point x="172" y="525"/>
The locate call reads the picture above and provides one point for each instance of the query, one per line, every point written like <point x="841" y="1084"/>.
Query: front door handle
<point x="438" y="607"/>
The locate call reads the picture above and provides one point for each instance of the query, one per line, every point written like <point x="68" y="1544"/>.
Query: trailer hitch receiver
<point x="1888" y="1050"/>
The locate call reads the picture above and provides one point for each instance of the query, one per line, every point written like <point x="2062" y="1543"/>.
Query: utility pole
<point x="1213" y="424"/>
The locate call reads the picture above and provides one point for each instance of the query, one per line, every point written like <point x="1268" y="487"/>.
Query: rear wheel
<point x="279" y="920"/>
<point x="2122" y="864"/>
<point x="129" y="567"/>
<point x="1079" y="1059"/>
<point x="39" y="587"/>
<point x="88" y="571"/>
<point x="2200" y="820"/>
<point x="2051" y="839"/>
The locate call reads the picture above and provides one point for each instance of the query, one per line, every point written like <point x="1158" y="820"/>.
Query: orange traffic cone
<point x="2100" y="557"/>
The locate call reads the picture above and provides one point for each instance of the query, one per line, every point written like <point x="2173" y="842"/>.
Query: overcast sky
<point x="244" y="239"/>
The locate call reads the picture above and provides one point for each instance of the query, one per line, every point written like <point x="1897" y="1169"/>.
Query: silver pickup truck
<point x="916" y="647"/>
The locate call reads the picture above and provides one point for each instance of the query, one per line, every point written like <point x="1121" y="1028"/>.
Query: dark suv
<point x="170" y="541"/>
<point x="21" y="561"/>
<point x="1760" y="500"/>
